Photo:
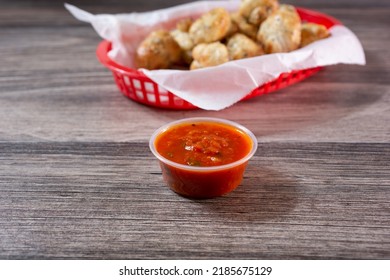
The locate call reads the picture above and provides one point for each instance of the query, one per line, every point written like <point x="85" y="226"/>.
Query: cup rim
<point x="203" y="168"/>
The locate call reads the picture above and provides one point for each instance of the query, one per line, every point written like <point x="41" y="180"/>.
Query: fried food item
<point x="233" y="28"/>
<point x="240" y="46"/>
<point x="184" y="24"/>
<point x="281" y="31"/>
<point x="311" y="32"/>
<point x="256" y="11"/>
<point x="211" y="26"/>
<point x="206" y="55"/>
<point x="243" y="26"/>
<point x="158" y="50"/>
<point x="183" y="39"/>
<point x="257" y="27"/>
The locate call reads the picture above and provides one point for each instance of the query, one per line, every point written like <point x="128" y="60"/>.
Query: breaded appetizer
<point x="211" y="26"/>
<point x="281" y="31"/>
<point x="206" y="55"/>
<point x="256" y="11"/>
<point x="159" y="50"/>
<point x="243" y="26"/>
<point x="240" y="46"/>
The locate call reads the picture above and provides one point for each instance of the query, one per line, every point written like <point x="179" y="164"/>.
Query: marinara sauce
<point x="203" y="144"/>
<point x="199" y="156"/>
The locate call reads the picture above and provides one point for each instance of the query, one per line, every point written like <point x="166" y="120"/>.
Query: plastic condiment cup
<point x="199" y="181"/>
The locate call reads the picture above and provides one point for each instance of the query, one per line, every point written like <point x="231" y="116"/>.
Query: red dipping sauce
<point x="203" y="157"/>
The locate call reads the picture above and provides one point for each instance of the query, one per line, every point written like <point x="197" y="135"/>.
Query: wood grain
<point x="77" y="179"/>
<point x="94" y="200"/>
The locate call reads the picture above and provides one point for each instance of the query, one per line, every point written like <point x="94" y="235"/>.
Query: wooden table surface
<point x="77" y="179"/>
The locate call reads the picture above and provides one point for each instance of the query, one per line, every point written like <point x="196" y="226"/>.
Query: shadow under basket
<point x="139" y="88"/>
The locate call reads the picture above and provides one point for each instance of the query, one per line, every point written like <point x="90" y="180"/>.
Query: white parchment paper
<point x="219" y="87"/>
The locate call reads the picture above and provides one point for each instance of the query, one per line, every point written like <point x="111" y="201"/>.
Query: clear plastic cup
<point x="203" y="181"/>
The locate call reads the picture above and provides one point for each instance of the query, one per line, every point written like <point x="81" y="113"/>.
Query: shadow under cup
<point x="198" y="181"/>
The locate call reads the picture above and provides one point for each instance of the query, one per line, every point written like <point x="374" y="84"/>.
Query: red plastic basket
<point x="138" y="87"/>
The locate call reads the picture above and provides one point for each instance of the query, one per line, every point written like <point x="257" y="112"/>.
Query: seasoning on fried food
<point x="240" y="46"/>
<point x="206" y="55"/>
<point x="281" y="31"/>
<point x="159" y="50"/>
<point x="211" y="26"/>
<point x="256" y="11"/>
<point x="243" y="26"/>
